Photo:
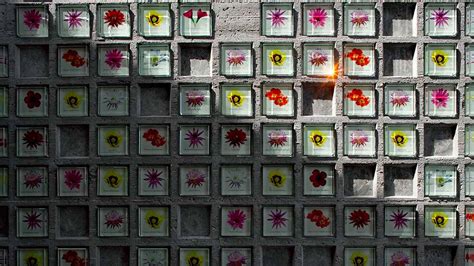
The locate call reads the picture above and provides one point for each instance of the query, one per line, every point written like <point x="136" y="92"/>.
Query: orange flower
<point x="354" y="54"/>
<point x="273" y="94"/>
<point x="362" y="60"/>
<point x="354" y="94"/>
<point x="281" y="100"/>
<point x="363" y="101"/>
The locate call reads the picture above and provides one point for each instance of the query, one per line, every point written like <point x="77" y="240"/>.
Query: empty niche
<point x="318" y="255"/>
<point x="73" y="221"/>
<point x="154" y="99"/>
<point x="117" y="256"/>
<point x="359" y="180"/>
<point x="318" y="99"/>
<point x="278" y="256"/>
<point x="399" y="59"/>
<point x="195" y="221"/>
<point x="399" y="19"/>
<point x="3" y="221"/>
<point x="440" y="140"/>
<point x="34" y="61"/>
<point x="440" y="255"/>
<point x="399" y="180"/>
<point x="195" y="60"/>
<point x="73" y="141"/>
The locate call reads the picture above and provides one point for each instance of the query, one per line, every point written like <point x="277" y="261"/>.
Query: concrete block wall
<point x="235" y="21"/>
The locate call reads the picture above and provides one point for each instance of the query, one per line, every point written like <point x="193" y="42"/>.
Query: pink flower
<point x="440" y="17"/>
<point x="277" y="218"/>
<point x="235" y="58"/>
<point x="236" y="218"/>
<point x="277" y="18"/>
<point x="194" y="98"/>
<point x="195" y="178"/>
<point x="359" y="138"/>
<point x="399" y="259"/>
<point x="73" y="18"/>
<point x="277" y="138"/>
<point x="318" y="58"/>
<point x="33" y="179"/>
<point x="399" y="98"/>
<point x="114" y="58"/>
<point x="236" y="259"/>
<point x="318" y="17"/>
<point x="113" y="219"/>
<point x="359" y="18"/>
<point x="33" y="220"/>
<point x="73" y="178"/>
<point x="194" y="138"/>
<point x="32" y="19"/>
<point x="153" y="178"/>
<point x="440" y="97"/>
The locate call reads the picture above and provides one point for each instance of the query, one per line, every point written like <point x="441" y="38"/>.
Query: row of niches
<point x="237" y="60"/>
<point x="277" y="20"/>
<point x="238" y="100"/>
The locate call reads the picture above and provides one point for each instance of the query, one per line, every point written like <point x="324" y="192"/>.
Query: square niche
<point x="32" y="21"/>
<point x="313" y="255"/>
<point x="359" y="60"/>
<point x="236" y="60"/>
<point x="113" y="60"/>
<point x="4" y="61"/>
<point x="155" y="20"/>
<point x="195" y="59"/>
<point x="73" y="61"/>
<point x="33" y="61"/>
<point x="115" y="255"/>
<point x="73" y="141"/>
<point x="319" y="19"/>
<point x="440" y="181"/>
<point x="399" y="59"/>
<point x="400" y="181"/>
<point x="278" y="59"/>
<point x="441" y="140"/>
<point x="3" y="224"/>
<point x="399" y="19"/>
<point x="283" y="255"/>
<point x="277" y="19"/>
<point x="73" y="221"/>
<point x="441" y="100"/>
<point x="441" y="20"/>
<point x="196" y="20"/>
<point x="359" y="20"/>
<point x="440" y="60"/>
<point x="195" y="221"/>
<point x="154" y="60"/>
<point x="359" y="180"/>
<point x="73" y="21"/>
<point x="154" y="99"/>
<point x="440" y="255"/>
<point x="441" y="222"/>
<point x="113" y="21"/>
<point x="318" y="99"/>
<point x="236" y="179"/>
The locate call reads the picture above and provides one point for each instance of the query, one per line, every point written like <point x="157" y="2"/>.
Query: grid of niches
<point x="257" y="201"/>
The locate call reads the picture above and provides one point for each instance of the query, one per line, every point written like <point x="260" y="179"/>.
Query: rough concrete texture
<point x="34" y="62"/>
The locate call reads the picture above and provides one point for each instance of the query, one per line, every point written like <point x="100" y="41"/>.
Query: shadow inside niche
<point x="318" y="98"/>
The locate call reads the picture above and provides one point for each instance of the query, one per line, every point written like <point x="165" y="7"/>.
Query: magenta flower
<point x="195" y="98"/>
<point x="318" y="17"/>
<point x="153" y="178"/>
<point x="317" y="58"/>
<point x="235" y="58"/>
<point x="399" y="98"/>
<point x="195" y="178"/>
<point x="359" y="18"/>
<point x="73" y="18"/>
<point x="33" y="179"/>
<point x="33" y="220"/>
<point x="399" y="219"/>
<point x="236" y="219"/>
<point x="277" y="218"/>
<point x="440" y="17"/>
<point x="277" y="138"/>
<point x="359" y="138"/>
<point x="277" y="18"/>
<point x="73" y="178"/>
<point x="194" y="138"/>
<point x="113" y="219"/>
<point x="32" y="19"/>
<point x="114" y="58"/>
<point x="440" y="97"/>
<point x="236" y="259"/>
<point x="399" y="259"/>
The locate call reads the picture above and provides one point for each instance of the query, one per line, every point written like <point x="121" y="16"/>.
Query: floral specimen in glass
<point x="73" y="21"/>
<point x="400" y="221"/>
<point x="440" y="60"/>
<point x="441" y="100"/>
<point x="113" y="60"/>
<point x="277" y="59"/>
<point x="113" y="21"/>
<point x="277" y="19"/>
<point x="154" y="20"/>
<point x="194" y="256"/>
<point x="73" y="257"/>
<point x="194" y="140"/>
<point x="236" y="139"/>
<point x="236" y="59"/>
<point x="278" y="100"/>
<point x="72" y="181"/>
<point x="359" y="20"/>
<point x="278" y="221"/>
<point x="194" y="180"/>
<point x="440" y="180"/>
<point x="440" y="222"/>
<point x="360" y="140"/>
<point x="236" y="100"/>
<point x="32" y="102"/>
<point x="73" y="61"/>
<point x="153" y="180"/>
<point x="236" y="179"/>
<point x="319" y="140"/>
<point x="112" y="181"/>
<point x="236" y="221"/>
<point x="318" y="221"/>
<point x="441" y="20"/>
<point x="195" y="99"/>
<point x="112" y="140"/>
<point x="277" y="180"/>
<point x="195" y="20"/>
<point x="32" y="222"/>
<point x="359" y="221"/>
<point x="277" y="140"/>
<point x="32" y="21"/>
<point x="359" y="60"/>
<point x="32" y="141"/>
<point x="153" y="221"/>
<point x="112" y="221"/>
<point x="32" y="181"/>
<point x="400" y="100"/>
<point x="153" y="140"/>
<point x="400" y="140"/>
<point x="318" y="19"/>
<point x="73" y="101"/>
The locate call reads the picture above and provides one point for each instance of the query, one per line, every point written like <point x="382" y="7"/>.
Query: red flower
<point x="359" y="218"/>
<point x="70" y="256"/>
<point x="318" y="218"/>
<point x="201" y="14"/>
<point x="33" y="180"/>
<point x="188" y="14"/>
<point x="281" y="100"/>
<point x="318" y="178"/>
<point x="78" y="262"/>
<point x="33" y="139"/>
<point x="236" y="137"/>
<point x="73" y="178"/>
<point x="354" y="94"/>
<point x="32" y="19"/>
<point x="362" y="60"/>
<point x="70" y="55"/>
<point x="273" y="94"/>
<point x="470" y="216"/>
<point x="363" y="101"/>
<point x="354" y="54"/>
<point x="114" y="18"/>
<point x="154" y="137"/>
<point x="32" y="99"/>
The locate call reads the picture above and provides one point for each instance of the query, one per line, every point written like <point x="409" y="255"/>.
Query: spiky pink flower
<point x="359" y="18"/>
<point x="440" y="97"/>
<point x="73" y="18"/>
<point x="440" y="17"/>
<point x="32" y="19"/>
<point x="278" y="219"/>
<point x="277" y="18"/>
<point x="277" y="138"/>
<point x="195" y="98"/>
<point x="236" y="218"/>
<point x="73" y="179"/>
<point x="235" y="58"/>
<point x="113" y="219"/>
<point x="153" y="178"/>
<point x="33" y="179"/>
<point x="399" y="259"/>
<point x="114" y="58"/>
<point x="317" y="58"/>
<point x="399" y="98"/>
<point x="399" y="219"/>
<point x="32" y="220"/>
<point x="194" y="137"/>
<point x="359" y="138"/>
<point x="318" y="17"/>
<point x="195" y="178"/>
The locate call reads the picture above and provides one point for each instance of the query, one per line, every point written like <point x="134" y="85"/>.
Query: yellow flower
<point x="33" y="257"/>
<point x="399" y="138"/>
<point x="439" y="219"/>
<point x="154" y="18"/>
<point x="72" y="99"/>
<point x="359" y="259"/>
<point x="113" y="178"/>
<point x="317" y="138"/>
<point x="113" y="138"/>
<point x="236" y="98"/>
<point x="439" y="57"/>
<point x="153" y="219"/>
<point x="277" y="178"/>
<point x="277" y="57"/>
<point x="193" y="258"/>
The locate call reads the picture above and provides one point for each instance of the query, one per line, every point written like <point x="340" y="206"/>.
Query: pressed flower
<point x="194" y="258"/>
<point x="32" y="179"/>
<point x="277" y="57"/>
<point x="354" y="54"/>
<point x="154" y="219"/>
<point x="188" y="14"/>
<point x="33" y="139"/>
<point x="73" y="57"/>
<point x="440" y="97"/>
<point x="153" y="135"/>
<point x="194" y="138"/>
<point x="318" y="178"/>
<point x="318" y="218"/>
<point x="33" y="258"/>
<point x="155" y="60"/>
<point x="154" y="18"/>
<point x="114" y="58"/>
<point x="317" y="58"/>
<point x="359" y="18"/>
<point x="362" y="61"/>
<point x="113" y="219"/>
<point x="318" y="138"/>
<point x="195" y="178"/>
<point x="236" y="259"/>
<point x="277" y="138"/>
<point x="440" y="17"/>
<point x="470" y="216"/>
<point x="234" y="181"/>
<point x="399" y="138"/>
<point x="32" y="99"/>
<point x="235" y="137"/>
<point x="153" y="178"/>
<point x="469" y="257"/>
<point x="278" y="218"/>
<point x="236" y="98"/>
<point x="399" y="258"/>
<point x="114" y="98"/>
<point x="439" y="219"/>
<point x="73" y="179"/>
<point x="277" y="17"/>
<point x="113" y="138"/>
<point x="399" y="98"/>
<point x="277" y="178"/>
<point x="70" y="256"/>
<point x="32" y="220"/>
<point x="359" y="259"/>
<point x="235" y="57"/>
<point x="114" y="18"/>
<point x="72" y="100"/>
<point x="355" y="94"/>
<point x="441" y="180"/>
<point x="359" y="218"/>
<point x="113" y="178"/>
<point x="32" y="19"/>
<point x="398" y="218"/>
<point x="318" y="17"/>
<point x="439" y="57"/>
<point x="359" y="138"/>
<point x="201" y="14"/>
<point x="73" y="18"/>
<point x="236" y="218"/>
<point x="273" y="94"/>
<point x="195" y="98"/>
<point x="281" y="100"/>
